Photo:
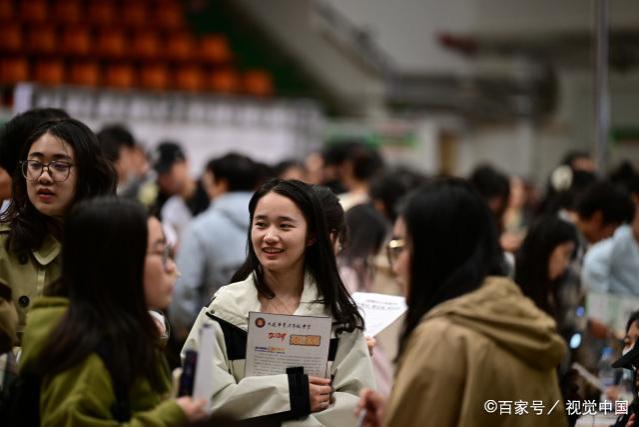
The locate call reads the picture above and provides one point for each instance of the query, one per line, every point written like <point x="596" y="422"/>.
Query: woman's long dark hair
<point x="454" y="246"/>
<point x="103" y="253"/>
<point x="319" y="259"/>
<point x="532" y="259"/>
<point x="96" y="177"/>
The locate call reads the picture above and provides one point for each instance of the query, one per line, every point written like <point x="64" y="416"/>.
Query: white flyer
<point x="203" y="384"/>
<point x="379" y="310"/>
<point x="278" y="341"/>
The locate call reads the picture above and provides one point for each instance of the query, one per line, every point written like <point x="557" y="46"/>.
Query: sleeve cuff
<point x="298" y="394"/>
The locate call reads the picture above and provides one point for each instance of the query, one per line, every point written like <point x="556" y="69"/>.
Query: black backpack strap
<point x="121" y="409"/>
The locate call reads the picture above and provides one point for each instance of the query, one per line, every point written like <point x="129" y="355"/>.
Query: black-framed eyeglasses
<point x="59" y="171"/>
<point x="166" y="254"/>
<point x="393" y="249"/>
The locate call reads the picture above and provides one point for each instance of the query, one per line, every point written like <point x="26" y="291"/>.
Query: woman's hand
<point x="373" y="403"/>
<point x="193" y="408"/>
<point x="319" y="391"/>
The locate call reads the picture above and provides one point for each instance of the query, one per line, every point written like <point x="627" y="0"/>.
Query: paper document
<point x="379" y="310"/>
<point x="203" y="384"/>
<point x="278" y="341"/>
<point x="612" y="310"/>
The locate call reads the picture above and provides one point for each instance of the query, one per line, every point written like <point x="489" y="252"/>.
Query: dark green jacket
<point x="27" y="274"/>
<point x="83" y="395"/>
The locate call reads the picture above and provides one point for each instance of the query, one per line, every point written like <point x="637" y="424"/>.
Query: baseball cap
<point x="165" y="154"/>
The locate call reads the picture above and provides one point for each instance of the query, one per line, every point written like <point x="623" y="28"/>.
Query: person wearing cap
<point x="181" y="196"/>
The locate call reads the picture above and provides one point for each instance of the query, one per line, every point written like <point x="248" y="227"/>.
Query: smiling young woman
<point x="62" y="164"/>
<point x="290" y="269"/>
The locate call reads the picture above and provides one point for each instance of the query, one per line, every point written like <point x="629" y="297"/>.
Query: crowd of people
<point x="113" y="259"/>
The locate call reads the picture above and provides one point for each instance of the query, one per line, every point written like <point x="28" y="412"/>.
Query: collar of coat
<point x="233" y="302"/>
<point x="47" y="252"/>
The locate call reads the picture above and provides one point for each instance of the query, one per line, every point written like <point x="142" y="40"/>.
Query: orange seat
<point x="154" y="76"/>
<point x="84" y="74"/>
<point x="224" y="81"/>
<point x="33" y="11"/>
<point x="41" y="40"/>
<point x="101" y="12"/>
<point x="68" y="11"/>
<point x="119" y="75"/>
<point x="76" y="41"/>
<point x="11" y="40"/>
<point x="145" y="45"/>
<point x="168" y="15"/>
<point x="50" y="72"/>
<point x="14" y="70"/>
<point x="189" y="78"/>
<point x="180" y="46"/>
<point x="111" y="43"/>
<point x="135" y="14"/>
<point x="214" y="48"/>
<point x="258" y="83"/>
<point x="6" y="10"/>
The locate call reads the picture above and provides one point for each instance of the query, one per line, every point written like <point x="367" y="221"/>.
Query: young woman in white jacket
<point x="290" y="269"/>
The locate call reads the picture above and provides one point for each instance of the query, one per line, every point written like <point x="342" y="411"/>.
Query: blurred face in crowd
<point x="594" y="229"/>
<point x="631" y="337"/>
<point x="279" y="233"/>
<point x="160" y="271"/>
<point x="51" y="188"/>
<point x="175" y="179"/>
<point x="401" y="255"/>
<point x="124" y="164"/>
<point x="560" y="260"/>
<point x="5" y="185"/>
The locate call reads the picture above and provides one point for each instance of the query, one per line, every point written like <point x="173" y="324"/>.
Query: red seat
<point x="101" y="12"/>
<point x="14" y="70"/>
<point x="224" y="81"/>
<point x="119" y="75"/>
<point x="86" y="73"/>
<point x="145" y="45"/>
<point x="168" y="15"/>
<point x="135" y="14"/>
<point x="11" y="40"/>
<point x="189" y="78"/>
<point x="180" y="46"/>
<point x="33" y="11"/>
<point x="154" y="76"/>
<point x="7" y="11"/>
<point x="42" y="39"/>
<point x="258" y="83"/>
<point x="50" y="72"/>
<point x="76" y="41"/>
<point x="214" y="48"/>
<point x="68" y="11"/>
<point x="111" y="43"/>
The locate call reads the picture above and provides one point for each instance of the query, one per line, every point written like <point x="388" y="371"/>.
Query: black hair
<point x="490" y="183"/>
<point x="238" y="171"/>
<point x="333" y="212"/>
<point x="112" y="138"/>
<point x="283" y="166"/>
<point x="389" y="188"/>
<point x="366" y="161"/>
<point x="454" y="246"/>
<point x="367" y="230"/>
<point x="103" y="253"/>
<point x="319" y="259"/>
<point x="533" y="257"/>
<point x="96" y="177"/>
<point x="615" y="205"/>
<point x="264" y="173"/>
<point x="17" y="131"/>
<point x="634" y="317"/>
<point x="569" y="157"/>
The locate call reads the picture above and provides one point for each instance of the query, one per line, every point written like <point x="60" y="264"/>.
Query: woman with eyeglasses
<point x="62" y="164"/>
<point x="291" y="270"/>
<point x="472" y="343"/>
<point x="97" y="349"/>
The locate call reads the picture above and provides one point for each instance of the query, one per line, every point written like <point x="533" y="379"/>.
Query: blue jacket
<point x="211" y="250"/>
